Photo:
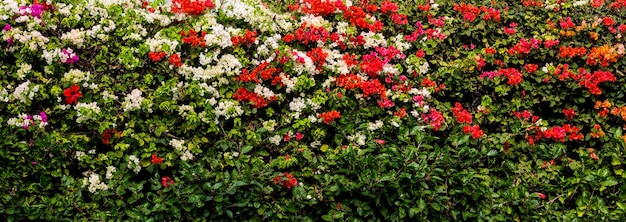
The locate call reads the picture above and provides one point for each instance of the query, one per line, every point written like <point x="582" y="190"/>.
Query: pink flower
<point x="44" y="117"/>
<point x="299" y="136"/>
<point x="542" y="196"/>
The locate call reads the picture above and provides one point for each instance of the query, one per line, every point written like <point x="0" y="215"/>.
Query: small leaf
<point x="246" y="149"/>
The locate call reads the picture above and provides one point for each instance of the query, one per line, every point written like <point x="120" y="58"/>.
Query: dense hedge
<point x="323" y="110"/>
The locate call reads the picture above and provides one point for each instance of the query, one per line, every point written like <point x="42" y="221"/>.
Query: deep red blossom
<point x="72" y="94"/>
<point x="106" y="135"/>
<point x="156" y="160"/>
<point x="175" y="60"/>
<point x="285" y="180"/>
<point x="461" y="115"/>
<point x="474" y="130"/>
<point x="330" y="116"/>
<point x="569" y="113"/>
<point x="192" y="7"/>
<point x="166" y="181"/>
<point x="156" y="56"/>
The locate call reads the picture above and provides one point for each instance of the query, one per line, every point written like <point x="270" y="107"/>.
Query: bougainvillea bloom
<point x="166" y="181"/>
<point x="285" y="180"/>
<point x="156" y="160"/>
<point x="330" y="117"/>
<point x="175" y="60"/>
<point x="72" y="94"/>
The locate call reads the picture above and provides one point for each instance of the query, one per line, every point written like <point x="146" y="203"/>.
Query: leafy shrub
<point x="372" y="111"/>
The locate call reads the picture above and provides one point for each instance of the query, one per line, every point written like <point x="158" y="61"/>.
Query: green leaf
<point x="246" y="149"/>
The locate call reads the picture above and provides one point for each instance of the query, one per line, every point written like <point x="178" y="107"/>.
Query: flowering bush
<point x="331" y="109"/>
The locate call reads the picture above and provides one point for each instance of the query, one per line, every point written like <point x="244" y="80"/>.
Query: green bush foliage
<point x="314" y="110"/>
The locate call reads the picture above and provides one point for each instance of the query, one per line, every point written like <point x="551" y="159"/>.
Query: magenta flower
<point x="44" y="116"/>
<point x="7" y="27"/>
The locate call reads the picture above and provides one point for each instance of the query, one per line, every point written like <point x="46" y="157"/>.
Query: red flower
<point x="542" y="196"/>
<point x="175" y="60"/>
<point x="285" y="180"/>
<point x="156" y="160"/>
<point x="569" y="113"/>
<point x="156" y="56"/>
<point x="330" y="117"/>
<point x="72" y="94"/>
<point x="166" y="181"/>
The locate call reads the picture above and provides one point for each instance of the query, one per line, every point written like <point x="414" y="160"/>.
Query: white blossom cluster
<point x="373" y="40"/>
<point x="306" y="67"/>
<point x="264" y="91"/>
<point x="269" y="45"/>
<point x="24" y="69"/>
<point x="219" y="36"/>
<point x="205" y="88"/>
<point x="373" y="126"/>
<point x="4" y="94"/>
<point x="186" y="155"/>
<point x="87" y="111"/>
<point x="400" y="43"/>
<point x="270" y="125"/>
<point x="228" y="109"/>
<point x="25" y="92"/>
<point x="76" y="76"/>
<point x="133" y="100"/>
<point x="133" y="163"/>
<point x="357" y="138"/>
<point x="110" y="171"/>
<point x="335" y="62"/>
<point x="158" y="42"/>
<point x="289" y="82"/>
<point x="94" y="184"/>
<point x="107" y="95"/>
<point x="275" y="139"/>
<point x="33" y="39"/>
<point x="75" y="36"/>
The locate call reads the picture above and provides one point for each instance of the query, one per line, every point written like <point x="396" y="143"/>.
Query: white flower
<point x="375" y="125"/>
<point x="177" y="144"/>
<point x="133" y="163"/>
<point x="76" y="76"/>
<point x="269" y="125"/>
<point x="133" y="100"/>
<point x="275" y="139"/>
<point x="110" y="171"/>
<point x="186" y="156"/>
<point x="228" y="109"/>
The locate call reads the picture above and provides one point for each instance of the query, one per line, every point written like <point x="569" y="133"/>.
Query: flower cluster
<point x="285" y="180"/>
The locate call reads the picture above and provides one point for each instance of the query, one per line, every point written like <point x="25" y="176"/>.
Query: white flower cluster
<point x="8" y="9"/>
<point x="185" y="153"/>
<point x="229" y="64"/>
<point x="24" y="69"/>
<point x="400" y="43"/>
<point x="133" y="163"/>
<point x="76" y="76"/>
<point x="157" y="44"/>
<point x="110" y="171"/>
<point x="373" y="40"/>
<point x="219" y="36"/>
<point x="297" y="105"/>
<point x="290" y="83"/>
<point x="133" y="100"/>
<point x="107" y="95"/>
<point x="87" y="111"/>
<point x="205" y="88"/>
<point x="307" y="66"/>
<point x="25" y="91"/>
<point x="358" y="138"/>
<point x="75" y="36"/>
<point x="269" y="45"/>
<point x="23" y="120"/>
<point x="275" y="139"/>
<point x="94" y="184"/>
<point x="33" y="39"/>
<point x="4" y="94"/>
<point x="335" y="62"/>
<point x="269" y="125"/>
<point x="264" y="91"/>
<point x="375" y="125"/>
<point x="183" y="110"/>
<point x="228" y="109"/>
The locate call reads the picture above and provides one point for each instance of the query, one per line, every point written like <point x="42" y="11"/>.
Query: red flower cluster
<point x="318" y="56"/>
<point x="285" y="180"/>
<point x="357" y="16"/>
<point x="156" y="160"/>
<point x="525" y="115"/>
<point x="461" y="115"/>
<point x="192" y="7"/>
<point x="567" y="23"/>
<point x="434" y="118"/>
<point x="166" y="181"/>
<point x="156" y="56"/>
<point x="247" y="38"/>
<point x="72" y="94"/>
<point x="591" y="81"/>
<point x="571" y="52"/>
<point x="556" y="133"/>
<point x="258" y="101"/>
<point x="372" y="64"/>
<point x="319" y="7"/>
<point x="264" y="71"/>
<point x="471" y="12"/>
<point x="330" y="117"/>
<point x="532" y="3"/>
<point x="549" y="43"/>
<point x="106" y="135"/>
<point x="531" y="68"/>
<point x="175" y="60"/>
<point x="524" y="47"/>
<point x="307" y="34"/>
<point x="474" y="130"/>
<point x="191" y="37"/>
<point x="569" y="113"/>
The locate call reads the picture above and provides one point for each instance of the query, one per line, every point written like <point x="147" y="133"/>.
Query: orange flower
<point x="593" y="35"/>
